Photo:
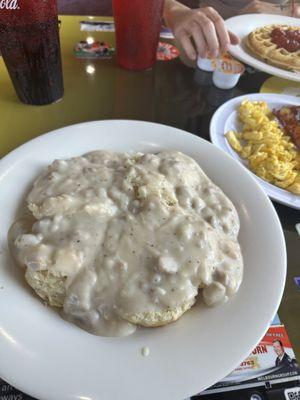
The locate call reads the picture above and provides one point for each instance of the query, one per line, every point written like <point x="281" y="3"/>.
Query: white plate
<point x="226" y="119"/>
<point x="52" y="359"/>
<point x="242" y="25"/>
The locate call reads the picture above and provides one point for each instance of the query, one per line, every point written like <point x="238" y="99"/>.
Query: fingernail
<point x="193" y="56"/>
<point x="213" y="54"/>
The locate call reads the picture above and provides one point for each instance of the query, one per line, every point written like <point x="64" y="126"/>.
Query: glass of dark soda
<point x="30" y="47"/>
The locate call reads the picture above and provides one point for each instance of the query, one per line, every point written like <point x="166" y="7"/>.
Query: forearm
<point x="172" y="11"/>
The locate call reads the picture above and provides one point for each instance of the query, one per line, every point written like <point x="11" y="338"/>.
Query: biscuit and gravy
<point x="120" y="240"/>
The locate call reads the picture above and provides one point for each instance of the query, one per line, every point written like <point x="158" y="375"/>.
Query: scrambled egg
<point x="270" y="153"/>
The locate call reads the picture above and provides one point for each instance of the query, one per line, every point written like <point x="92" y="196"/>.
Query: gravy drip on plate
<point x="131" y="234"/>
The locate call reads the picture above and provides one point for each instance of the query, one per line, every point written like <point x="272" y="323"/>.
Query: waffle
<point x="260" y="43"/>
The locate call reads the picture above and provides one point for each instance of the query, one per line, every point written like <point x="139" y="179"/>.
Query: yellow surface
<point x="87" y="96"/>
<point x="109" y="92"/>
<point x="281" y="86"/>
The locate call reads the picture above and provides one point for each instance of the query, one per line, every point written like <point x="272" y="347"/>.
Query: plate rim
<point x="10" y="157"/>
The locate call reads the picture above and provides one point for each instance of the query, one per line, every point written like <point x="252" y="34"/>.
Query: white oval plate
<point x="242" y="25"/>
<point x="52" y="359"/>
<point x="226" y="119"/>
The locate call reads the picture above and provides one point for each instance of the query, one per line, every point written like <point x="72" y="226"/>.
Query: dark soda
<point x="29" y="43"/>
<point x="138" y="24"/>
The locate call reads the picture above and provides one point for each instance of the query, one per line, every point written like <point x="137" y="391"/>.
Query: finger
<point x="199" y="40"/>
<point x="222" y="33"/>
<point x="234" y="39"/>
<point x="187" y="45"/>
<point x="274" y="7"/>
<point x="265" y="7"/>
<point x="269" y="5"/>
<point x="209" y="32"/>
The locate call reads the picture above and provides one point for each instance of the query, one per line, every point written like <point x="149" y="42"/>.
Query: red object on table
<point x="138" y="24"/>
<point x="166" y="52"/>
<point x="29" y="43"/>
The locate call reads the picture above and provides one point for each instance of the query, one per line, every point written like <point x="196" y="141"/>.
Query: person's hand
<point x="260" y="7"/>
<point x="201" y="31"/>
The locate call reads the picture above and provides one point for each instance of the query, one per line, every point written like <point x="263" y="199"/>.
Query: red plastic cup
<point x="29" y="43"/>
<point x="138" y="24"/>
